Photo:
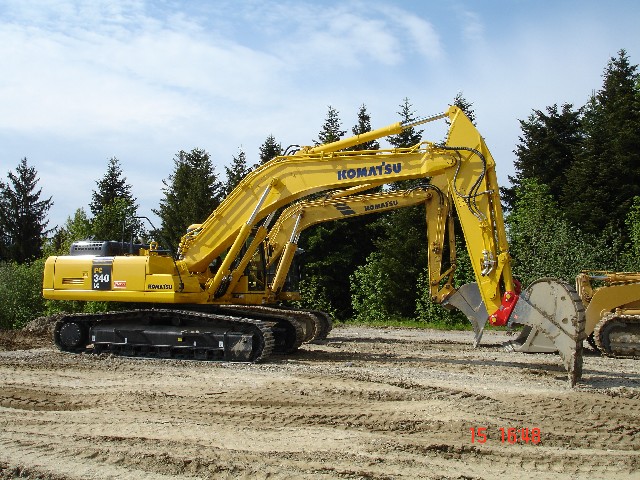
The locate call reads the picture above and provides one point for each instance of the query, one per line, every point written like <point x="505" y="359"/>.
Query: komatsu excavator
<point x="189" y="296"/>
<point x="281" y="243"/>
<point x="612" y="322"/>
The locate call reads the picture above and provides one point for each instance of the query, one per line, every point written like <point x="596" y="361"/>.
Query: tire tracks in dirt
<point x="370" y="403"/>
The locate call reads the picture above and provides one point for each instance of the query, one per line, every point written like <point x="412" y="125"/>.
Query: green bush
<point x="314" y="296"/>
<point x="368" y="293"/>
<point x="21" y="293"/>
<point x="433" y="314"/>
<point x="631" y="257"/>
<point x="545" y="244"/>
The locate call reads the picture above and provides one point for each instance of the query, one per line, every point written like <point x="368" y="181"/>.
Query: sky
<point x="84" y="81"/>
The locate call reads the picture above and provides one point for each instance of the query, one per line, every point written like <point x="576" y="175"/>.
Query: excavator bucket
<point x="550" y="312"/>
<point x="468" y="300"/>
<point x="553" y="318"/>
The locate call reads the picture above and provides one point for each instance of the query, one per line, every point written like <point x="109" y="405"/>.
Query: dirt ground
<point x="371" y="403"/>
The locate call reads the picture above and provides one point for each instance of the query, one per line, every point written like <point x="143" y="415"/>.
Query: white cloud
<point x="472" y="26"/>
<point x="92" y="78"/>
<point x="420" y="33"/>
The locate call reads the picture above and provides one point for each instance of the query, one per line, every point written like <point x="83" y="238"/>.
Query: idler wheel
<point x="72" y="335"/>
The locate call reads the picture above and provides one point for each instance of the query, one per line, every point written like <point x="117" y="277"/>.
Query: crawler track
<point x="166" y="333"/>
<point x="618" y="335"/>
<point x="315" y="325"/>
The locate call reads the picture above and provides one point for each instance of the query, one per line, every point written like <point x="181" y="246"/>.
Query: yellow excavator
<point x="281" y="242"/>
<point x="611" y="301"/>
<point x="191" y="296"/>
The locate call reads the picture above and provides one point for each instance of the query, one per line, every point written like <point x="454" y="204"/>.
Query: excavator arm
<point x="282" y="240"/>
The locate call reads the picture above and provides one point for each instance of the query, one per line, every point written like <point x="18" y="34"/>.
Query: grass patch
<point x="409" y="323"/>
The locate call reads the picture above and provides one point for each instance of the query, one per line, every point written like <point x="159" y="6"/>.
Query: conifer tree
<point x="401" y="252"/>
<point x="403" y="241"/>
<point x="114" y="207"/>
<point x="400" y="246"/>
<point x="191" y="193"/>
<point x="465" y="105"/>
<point x="111" y="186"/>
<point x="22" y="215"/>
<point x="334" y="249"/>
<point x="602" y="182"/>
<point x="410" y="136"/>
<point x="331" y="129"/>
<point x="546" y="150"/>
<point x="363" y="126"/>
<point x="270" y="149"/>
<point x="236" y="172"/>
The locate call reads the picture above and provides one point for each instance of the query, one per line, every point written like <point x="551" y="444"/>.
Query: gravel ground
<point x="370" y="403"/>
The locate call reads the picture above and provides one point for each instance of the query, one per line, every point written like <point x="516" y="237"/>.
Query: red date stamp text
<point x="508" y="435"/>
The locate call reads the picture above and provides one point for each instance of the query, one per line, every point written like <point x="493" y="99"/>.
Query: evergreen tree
<point x="236" y="172"/>
<point x="602" y="182"/>
<point x="22" y="215"/>
<point x="191" y="193"/>
<point x="5" y="219"/>
<point x="330" y="251"/>
<point x="270" y="149"/>
<point x="407" y="138"/>
<point x="364" y="126"/>
<point x="396" y="273"/>
<point x="331" y="129"/>
<point x="546" y="149"/>
<point x="111" y="186"/>
<point x="116" y="221"/>
<point x="400" y="245"/>
<point x="410" y="136"/>
<point x="465" y="105"/>
<point x="114" y="207"/>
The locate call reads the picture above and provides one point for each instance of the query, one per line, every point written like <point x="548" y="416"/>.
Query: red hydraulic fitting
<point x="501" y="316"/>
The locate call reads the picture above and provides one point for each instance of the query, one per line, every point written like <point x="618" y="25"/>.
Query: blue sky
<point x="83" y="81"/>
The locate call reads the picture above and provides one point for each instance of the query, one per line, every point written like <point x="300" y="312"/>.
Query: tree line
<point x="573" y="204"/>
